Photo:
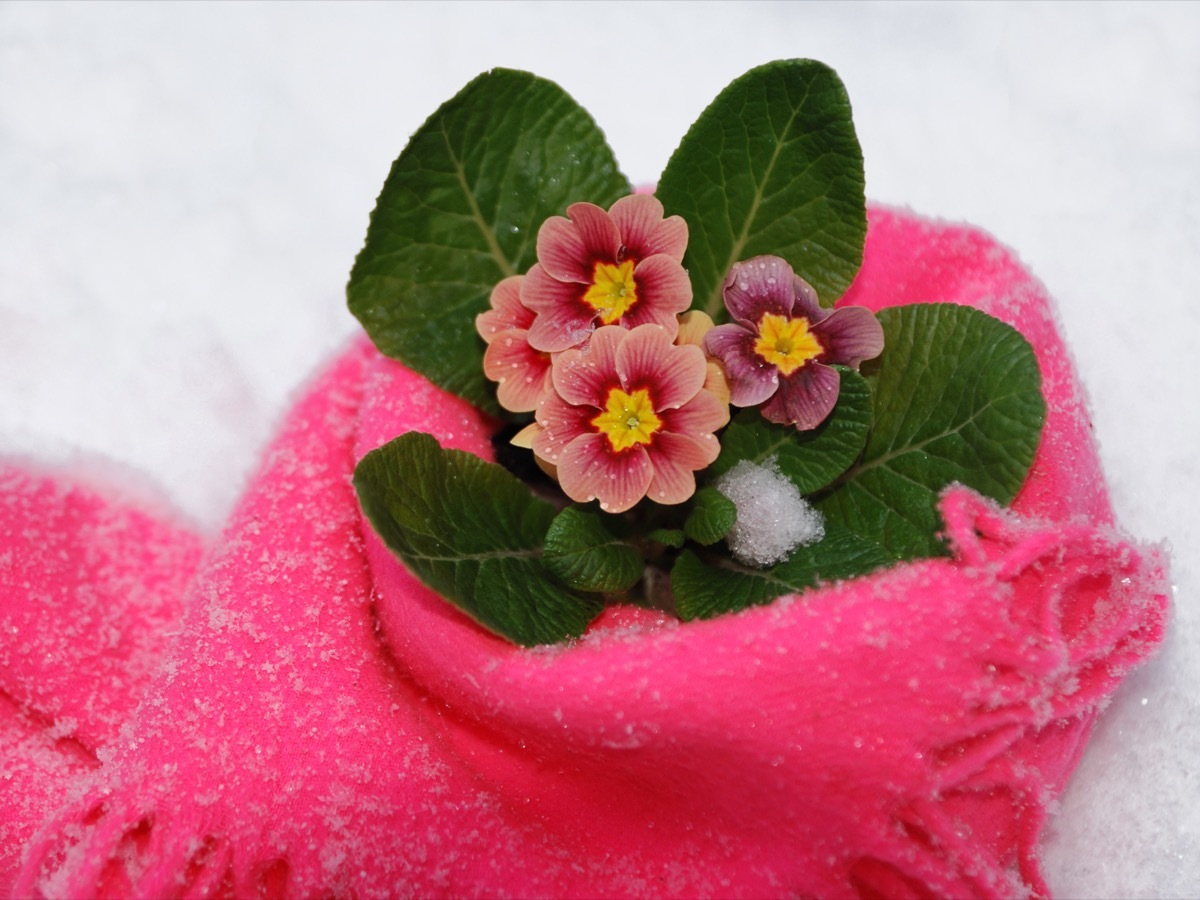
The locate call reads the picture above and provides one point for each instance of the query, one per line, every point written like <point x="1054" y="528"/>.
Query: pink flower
<point x="621" y="267"/>
<point x="779" y="348"/>
<point x="523" y="373"/>
<point x="693" y="326"/>
<point x="629" y="418"/>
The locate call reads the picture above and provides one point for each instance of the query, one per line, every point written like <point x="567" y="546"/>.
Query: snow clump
<point x="772" y="518"/>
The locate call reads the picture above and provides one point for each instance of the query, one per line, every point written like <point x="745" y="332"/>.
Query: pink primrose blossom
<point x="629" y="418"/>
<point x="620" y="267"/>
<point x="780" y="347"/>
<point x="522" y="373"/>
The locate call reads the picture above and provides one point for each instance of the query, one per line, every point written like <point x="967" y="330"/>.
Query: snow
<point x="183" y="189"/>
<point x="772" y="518"/>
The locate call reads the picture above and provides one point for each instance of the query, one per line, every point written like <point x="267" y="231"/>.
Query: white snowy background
<point x="183" y="189"/>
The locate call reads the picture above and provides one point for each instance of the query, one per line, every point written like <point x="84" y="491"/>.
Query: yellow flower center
<point x="613" y="290"/>
<point x="786" y="343"/>
<point x="628" y="419"/>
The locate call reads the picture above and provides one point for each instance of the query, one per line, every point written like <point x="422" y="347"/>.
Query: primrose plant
<point x="610" y="332"/>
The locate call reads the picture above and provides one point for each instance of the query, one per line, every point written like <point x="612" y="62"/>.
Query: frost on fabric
<point x="772" y="518"/>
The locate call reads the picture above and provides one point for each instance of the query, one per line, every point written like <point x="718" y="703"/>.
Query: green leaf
<point x="585" y="555"/>
<point x="461" y="209"/>
<point x="773" y="165"/>
<point x="668" y="537"/>
<point x="712" y="515"/>
<point x="810" y="459"/>
<point x="706" y="589"/>
<point x="472" y="532"/>
<point x="957" y="398"/>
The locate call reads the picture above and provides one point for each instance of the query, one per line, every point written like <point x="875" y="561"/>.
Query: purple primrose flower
<point x="779" y="348"/>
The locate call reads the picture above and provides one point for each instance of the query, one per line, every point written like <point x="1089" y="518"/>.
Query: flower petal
<point x="521" y="372"/>
<point x="693" y="326"/>
<point x="663" y="290"/>
<point x="717" y="384"/>
<point x="524" y="437"/>
<point x="588" y="469"/>
<point x="700" y="416"/>
<point x="850" y="335"/>
<point x="644" y="231"/>
<point x="760" y="285"/>
<point x="570" y="248"/>
<point x="561" y="319"/>
<point x="675" y="458"/>
<point x="751" y="378"/>
<point x="805" y="398"/>
<point x="648" y="359"/>
<point x="584" y="376"/>
<point x="560" y="424"/>
<point x="507" y="311"/>
<point x="805" y="302"/>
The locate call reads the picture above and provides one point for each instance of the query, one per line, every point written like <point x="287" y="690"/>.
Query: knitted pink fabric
<point x="90" y="588"/>
<point x="324" y="725"/>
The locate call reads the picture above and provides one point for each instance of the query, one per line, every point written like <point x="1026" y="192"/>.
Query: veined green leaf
<point x="810" y="459"/>
<point x="957" y="399"/>
<point x="773" y="165"/>
<point x="712" y="515"/>
<point x="706" y="589"/>
<point x="461" y="209"/>
<point x="668" y="537"/>
<point x="585" y="555"/>
<point x="472" y="532"/>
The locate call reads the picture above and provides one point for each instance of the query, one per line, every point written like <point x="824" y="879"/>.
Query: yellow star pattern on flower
<point x="613" y="291"/>
<point x="786" y="343"/>
<point x="628" y="419"/>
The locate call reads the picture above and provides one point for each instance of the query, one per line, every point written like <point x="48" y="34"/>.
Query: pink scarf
<point x="322" y="724"/>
